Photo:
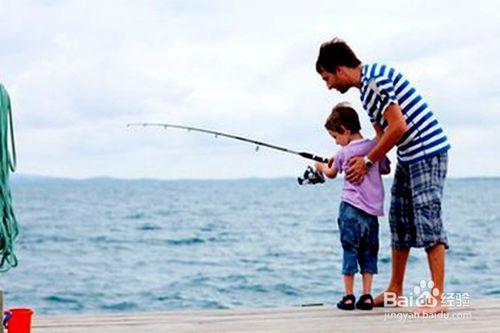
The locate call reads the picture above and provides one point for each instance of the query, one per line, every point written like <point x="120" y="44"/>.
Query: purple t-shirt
<point x="369" y="195"/>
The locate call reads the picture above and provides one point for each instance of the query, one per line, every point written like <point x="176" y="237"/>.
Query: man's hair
<point x="343" y="116"/>
<point x="335" y="53"/>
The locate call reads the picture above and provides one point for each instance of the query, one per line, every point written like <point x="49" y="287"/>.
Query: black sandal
<point x="347" y="306"/>
<point x="361" y="304"/>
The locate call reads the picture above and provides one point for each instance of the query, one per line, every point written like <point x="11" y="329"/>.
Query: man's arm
<point x="379" y="131"/>
<point x="396" y="127"/>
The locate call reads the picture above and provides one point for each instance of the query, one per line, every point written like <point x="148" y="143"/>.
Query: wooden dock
<point x="480" y="316"/>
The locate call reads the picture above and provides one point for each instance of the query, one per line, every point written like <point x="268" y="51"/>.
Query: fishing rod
<point x="235" y="137"/>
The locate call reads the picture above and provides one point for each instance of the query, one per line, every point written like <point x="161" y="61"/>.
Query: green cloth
<point x="8" y="226"/>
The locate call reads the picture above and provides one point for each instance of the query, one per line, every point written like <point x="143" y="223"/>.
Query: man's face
<point x="334" y="81"/>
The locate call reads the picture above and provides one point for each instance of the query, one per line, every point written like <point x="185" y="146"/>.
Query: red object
<point x="18" y="320"/>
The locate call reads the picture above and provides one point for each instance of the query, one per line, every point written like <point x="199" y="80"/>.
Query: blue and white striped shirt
<point x="382" y="85"/>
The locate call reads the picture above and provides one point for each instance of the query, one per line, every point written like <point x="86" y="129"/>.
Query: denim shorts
<point x="415" y="216"/>
<point x="359" y="238"/>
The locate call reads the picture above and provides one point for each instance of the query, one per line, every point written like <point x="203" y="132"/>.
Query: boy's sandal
<point x="362" y="303"/>
<point x="344" y="304"/>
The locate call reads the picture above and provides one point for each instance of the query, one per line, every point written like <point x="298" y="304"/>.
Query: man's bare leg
<point x="436" y="259"/>
<point x="399" y="259"/>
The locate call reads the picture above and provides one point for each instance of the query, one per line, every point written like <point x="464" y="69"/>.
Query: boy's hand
<point x="322" y="167"/>
<point x="328" y="170"/>
<point x="385" y="166"/>
<point x="319" y="166"/>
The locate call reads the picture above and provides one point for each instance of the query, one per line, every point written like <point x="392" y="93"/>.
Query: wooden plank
<point x="482" y="316"/>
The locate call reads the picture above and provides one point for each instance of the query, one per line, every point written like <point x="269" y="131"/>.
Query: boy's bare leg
<point x="399" y="260"/>
<point x="367" y="284"/>
<point x="436" y="259"/>
<point x="348" y="285"/>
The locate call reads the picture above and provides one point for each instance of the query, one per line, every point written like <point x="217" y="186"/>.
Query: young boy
<point x="360" y="205"/>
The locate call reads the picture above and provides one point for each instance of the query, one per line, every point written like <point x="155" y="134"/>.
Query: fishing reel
<point x="311" y="176"/>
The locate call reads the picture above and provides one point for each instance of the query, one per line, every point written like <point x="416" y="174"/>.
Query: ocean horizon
<point x="16" y="177"/>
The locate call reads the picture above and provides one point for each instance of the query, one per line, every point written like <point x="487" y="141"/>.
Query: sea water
<point x="104" y="245"/>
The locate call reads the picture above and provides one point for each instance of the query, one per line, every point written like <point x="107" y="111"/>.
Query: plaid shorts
<point x="415" y="215"/>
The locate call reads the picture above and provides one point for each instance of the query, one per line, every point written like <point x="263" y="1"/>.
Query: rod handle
<point x="314" y="157"/>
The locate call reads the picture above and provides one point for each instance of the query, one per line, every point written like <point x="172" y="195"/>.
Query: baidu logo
<point x="425" y="294"/>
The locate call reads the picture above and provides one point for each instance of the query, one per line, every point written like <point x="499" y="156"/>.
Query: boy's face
<point x="340" y="139"/>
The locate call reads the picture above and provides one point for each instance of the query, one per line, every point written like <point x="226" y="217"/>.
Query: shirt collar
<point x="357" y="141"/>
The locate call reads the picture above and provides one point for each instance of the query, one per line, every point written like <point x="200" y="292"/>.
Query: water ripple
<point x="109" y="246"/>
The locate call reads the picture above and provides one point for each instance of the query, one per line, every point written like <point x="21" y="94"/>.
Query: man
<point x="401" y="118"/>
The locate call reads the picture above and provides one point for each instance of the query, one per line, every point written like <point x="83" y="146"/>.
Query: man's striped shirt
<point x="382" y="85"/>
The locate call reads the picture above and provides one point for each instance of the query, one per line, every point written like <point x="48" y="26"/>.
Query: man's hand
<point x="357" y="170"/>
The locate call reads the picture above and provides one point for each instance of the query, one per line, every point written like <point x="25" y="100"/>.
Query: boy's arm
<point x="329" y="170"/>
<point x="385" y="165"/>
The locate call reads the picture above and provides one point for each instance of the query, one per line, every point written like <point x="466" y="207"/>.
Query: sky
<point x="79" y="71"/>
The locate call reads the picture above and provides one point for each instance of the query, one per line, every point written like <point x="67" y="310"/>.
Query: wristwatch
<point x="368" y="162"/>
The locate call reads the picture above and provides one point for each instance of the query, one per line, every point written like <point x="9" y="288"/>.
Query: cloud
<point x="79" y="71"/>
